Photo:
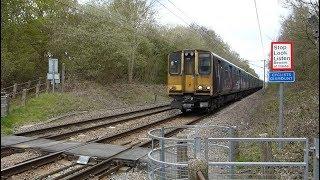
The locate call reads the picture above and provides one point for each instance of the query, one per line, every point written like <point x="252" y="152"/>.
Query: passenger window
<point x="230" y="74"/>
<point x="219" y="68"/>
<point x="175" y="63"/>
<point x="226" y="78"/>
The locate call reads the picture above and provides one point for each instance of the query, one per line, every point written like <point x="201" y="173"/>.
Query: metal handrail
<point x="158" y="134"/>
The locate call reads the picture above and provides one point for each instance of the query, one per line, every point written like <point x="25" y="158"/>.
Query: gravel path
<point x="18" y="158"/>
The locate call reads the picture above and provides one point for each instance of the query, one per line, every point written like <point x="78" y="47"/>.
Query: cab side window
<point x="175" y="63"/>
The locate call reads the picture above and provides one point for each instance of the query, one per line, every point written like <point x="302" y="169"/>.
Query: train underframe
<point x="190" y="102"/>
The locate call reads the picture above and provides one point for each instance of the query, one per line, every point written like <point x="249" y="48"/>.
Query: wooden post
<point x="4" y="104"/>
<point x="14" y="91"/>
<point x="47" y="85"/>
<point x="29" y="84"/>
<point x="24" y="97"/>
<point x="200" y="176"/>
<point x="266" y="156"/>
<point x="196" y="165"/>
<point x="37" y="89"/>
<point x="63" y="77"/>
<point x="155" y="98"/>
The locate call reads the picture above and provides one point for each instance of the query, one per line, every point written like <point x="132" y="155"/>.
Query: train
<point x="202" y="80"/>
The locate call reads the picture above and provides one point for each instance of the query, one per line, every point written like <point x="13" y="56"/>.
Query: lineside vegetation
<point x="104" y="41"/>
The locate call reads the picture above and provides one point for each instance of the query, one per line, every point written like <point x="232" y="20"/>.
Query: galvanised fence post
<point x="206" y="149"/>
<point x="232" y="150"/>
<point x="182" y="157"/>
<point x="306" y="160"/>
<point x="316" y="159"/>
<point x="162" y="154"/>
<point x="197" y="143"/>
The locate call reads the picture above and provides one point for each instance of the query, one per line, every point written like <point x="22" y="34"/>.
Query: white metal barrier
<point x="170" y="160"/>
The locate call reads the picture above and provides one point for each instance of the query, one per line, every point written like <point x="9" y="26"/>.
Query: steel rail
<point x="175" y="131"/>
<point x="104" y="165"/>
<point x="29" y="164"/>
<point x="98" y="168"/>
<point x="36" y="131"/>
<point x="56" y="171"/>
<point x="70" y="172"/>
<point x="69" y="133"/>
<point x="7" y="151"/>
<point x="107" y="139"/>
<point x="32" y="163"/>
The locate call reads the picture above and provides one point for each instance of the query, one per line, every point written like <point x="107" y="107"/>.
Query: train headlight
<point x="208" y="87"/>
<point x="200" y="87"/>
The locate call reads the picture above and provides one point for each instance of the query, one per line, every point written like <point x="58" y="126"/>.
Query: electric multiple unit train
<point x="199" y="79"/>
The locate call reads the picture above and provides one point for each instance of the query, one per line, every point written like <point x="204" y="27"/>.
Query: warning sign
<point x="281" y="56"/>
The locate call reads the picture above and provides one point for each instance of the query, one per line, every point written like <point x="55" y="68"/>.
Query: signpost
<point x="281" y="72"/>
<point x="53" y="74"/>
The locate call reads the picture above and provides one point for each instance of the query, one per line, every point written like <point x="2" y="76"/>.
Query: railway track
<point x="104" y="167"/>
<point x="62" y="131"/>
<point x="36" y="162"/>
<point x="6" y="151"/>
<point x="112" y="120"/>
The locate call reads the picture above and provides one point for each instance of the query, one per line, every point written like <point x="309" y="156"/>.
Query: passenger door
<point x="188" y="68"/>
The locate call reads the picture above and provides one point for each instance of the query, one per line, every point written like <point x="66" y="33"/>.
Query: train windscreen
<point x="175" y="63"/>
<point x="204" y="63"/>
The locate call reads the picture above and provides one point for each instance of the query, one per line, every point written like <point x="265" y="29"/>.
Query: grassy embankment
<point x="80" y="97"/>
<point x="301" y="119"/>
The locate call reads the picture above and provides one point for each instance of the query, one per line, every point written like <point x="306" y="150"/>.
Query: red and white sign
<point x="281" y="56"/>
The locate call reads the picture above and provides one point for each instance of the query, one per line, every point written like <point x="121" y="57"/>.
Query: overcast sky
<point x="234" y="20"/>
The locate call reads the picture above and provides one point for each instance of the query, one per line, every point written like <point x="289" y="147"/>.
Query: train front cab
<point x="190" y="81"/>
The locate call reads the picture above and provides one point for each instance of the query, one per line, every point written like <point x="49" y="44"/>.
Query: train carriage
<point x="199" y="79"/>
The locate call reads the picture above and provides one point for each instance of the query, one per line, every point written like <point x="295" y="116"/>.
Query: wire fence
<point x="19" y="93"/>
<point x="17" y="88"/>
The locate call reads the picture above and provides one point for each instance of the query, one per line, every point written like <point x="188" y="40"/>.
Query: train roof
<point x="234" y="65"/>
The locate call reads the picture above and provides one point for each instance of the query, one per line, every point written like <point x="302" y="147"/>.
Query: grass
<point x="301" y="119"/>
<point x="85" y="96"/>
<point x="40" y="108"/>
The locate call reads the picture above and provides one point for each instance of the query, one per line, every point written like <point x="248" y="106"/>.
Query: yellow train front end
<point x="190" y="80"/>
